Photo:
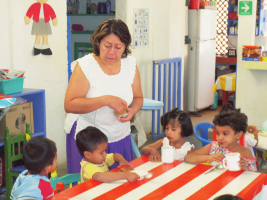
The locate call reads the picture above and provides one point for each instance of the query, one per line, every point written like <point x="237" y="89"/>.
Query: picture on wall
<point x="41" y="12"/>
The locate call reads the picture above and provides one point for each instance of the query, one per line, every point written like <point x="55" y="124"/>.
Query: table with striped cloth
<point x="178" y="180"/>
<point x="226" y="83"/>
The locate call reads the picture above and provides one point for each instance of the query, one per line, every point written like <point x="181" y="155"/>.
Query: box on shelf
<point x="251" y="53"/>
<point x="11" y="86"/>
<point x="16" y="118"/>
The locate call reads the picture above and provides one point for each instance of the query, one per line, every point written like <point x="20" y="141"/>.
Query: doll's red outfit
<point x="34" y="12"/>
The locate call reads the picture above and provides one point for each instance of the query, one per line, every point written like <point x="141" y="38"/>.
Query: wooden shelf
<point x="88" y="15"/>
<point x="256" y="65"/>
<point x="82" y="32"/>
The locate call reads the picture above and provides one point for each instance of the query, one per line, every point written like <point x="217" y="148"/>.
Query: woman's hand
<point x="130" y="115"/>
<point x="155" y="156"/>
<point x="243" y="164"/>
<point x="217" y="157"/>
<point x="116" y="103"/>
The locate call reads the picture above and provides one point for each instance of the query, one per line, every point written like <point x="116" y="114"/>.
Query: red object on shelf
<point x="232" y="15"/>
<point x="194" y="4"/>
<point x="202" y="3"/>
<point x="77" y="27"/>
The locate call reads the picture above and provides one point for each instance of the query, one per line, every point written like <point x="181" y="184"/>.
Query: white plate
<point x="141" y="173"/>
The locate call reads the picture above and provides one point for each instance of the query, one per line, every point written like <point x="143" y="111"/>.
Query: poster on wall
<point x="41" y="12"/>
<point x="141" y="27"/>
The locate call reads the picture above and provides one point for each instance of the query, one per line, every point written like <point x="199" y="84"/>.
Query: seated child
<point x="177" y="125"/>
<point x="40" y="158"/>
<point x="229" y="126"/>
<point x="249" y="141"/>
<point x="92" y="145"/>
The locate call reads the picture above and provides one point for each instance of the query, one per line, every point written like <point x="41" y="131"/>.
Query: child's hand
<point x="131" y="177"/>
<point x="217" y="157"/>
<point x="243" y="164"/>
<point x="125" y="162"/>
<point x="154" y="156"/>
<point x="255" y="131"/>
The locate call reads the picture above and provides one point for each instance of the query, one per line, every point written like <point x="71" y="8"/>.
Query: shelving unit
<point x="110" y="15"/>
<point x="37" y="97"/>
<point x="260" y="21"/>
<point x="256" y="65"/>
<point x="90" y="22"/>
<point x="82" y="32"/>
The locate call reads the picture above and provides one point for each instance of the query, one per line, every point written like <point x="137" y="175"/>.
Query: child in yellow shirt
<point x="92" y="145"/>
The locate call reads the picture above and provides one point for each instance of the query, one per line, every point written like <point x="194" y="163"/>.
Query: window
<point x="222" y="21"/>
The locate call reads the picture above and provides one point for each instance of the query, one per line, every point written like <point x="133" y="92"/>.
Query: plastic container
<point x="11" y="86"/>
<point x="215" y="104"/>
<point x="88" y="7"/>
<point x="194" y="4"/>
<point x="108" y="5"/>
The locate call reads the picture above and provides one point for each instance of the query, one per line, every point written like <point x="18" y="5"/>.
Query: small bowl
<point x="141" y="173"/>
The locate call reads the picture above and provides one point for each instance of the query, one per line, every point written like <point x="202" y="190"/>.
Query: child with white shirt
<point x="177" y="125"/>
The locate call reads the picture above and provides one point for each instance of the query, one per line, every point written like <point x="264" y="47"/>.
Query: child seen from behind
<point x="177" y="125"/>
<point x="92" y="145"/>
<point x="229" y="126"/>
<point x="40" y="158"/>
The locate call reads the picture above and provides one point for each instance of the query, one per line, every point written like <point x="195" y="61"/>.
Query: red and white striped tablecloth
<point x="178" y="180"/>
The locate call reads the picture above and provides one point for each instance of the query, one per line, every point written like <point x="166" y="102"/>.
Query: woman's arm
<point x="75" y="101"/>
<point x="138" y="98"/>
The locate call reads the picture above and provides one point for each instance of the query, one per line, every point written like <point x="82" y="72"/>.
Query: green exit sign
<point x="245" y="8"/>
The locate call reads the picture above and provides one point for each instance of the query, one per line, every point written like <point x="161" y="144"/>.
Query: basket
<point x="11" y="86"/>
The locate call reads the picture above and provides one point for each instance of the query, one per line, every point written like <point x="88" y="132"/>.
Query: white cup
<point x="230" y="161"/>
<point x="167" y="155"/>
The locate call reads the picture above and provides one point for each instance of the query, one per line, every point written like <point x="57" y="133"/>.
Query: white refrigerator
<point x="202" y="25"/>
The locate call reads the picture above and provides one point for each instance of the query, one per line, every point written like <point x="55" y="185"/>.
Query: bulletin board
<point x="141" y="27"/>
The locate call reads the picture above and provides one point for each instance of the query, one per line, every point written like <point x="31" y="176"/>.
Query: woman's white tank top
<point x="119" y="85"/>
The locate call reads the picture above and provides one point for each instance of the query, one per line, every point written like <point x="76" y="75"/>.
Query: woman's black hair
<point x="234" y="119"/>
<point x="89" y="138"/>
<point x="38" y="153"/>
<point x="112" y="26"/>
<point x="180" y="116"/>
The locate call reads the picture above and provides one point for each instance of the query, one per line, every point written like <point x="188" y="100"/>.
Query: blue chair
<point x="134" y="147"/>
<point x="203" y="130"/>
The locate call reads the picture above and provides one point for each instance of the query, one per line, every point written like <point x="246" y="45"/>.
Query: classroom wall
<point x="42" y="72"/>
<point x="166" y="39"/>
<point x="50" y="72"/>
<point x="251" y="85"/>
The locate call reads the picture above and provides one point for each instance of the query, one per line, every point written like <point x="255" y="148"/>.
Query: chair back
<point x="203" y="128"/>
<point x="13" y="152"/>
<point x="58" y="183"/>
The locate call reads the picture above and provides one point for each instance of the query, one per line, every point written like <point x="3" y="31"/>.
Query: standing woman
<point x="102" y="83"/>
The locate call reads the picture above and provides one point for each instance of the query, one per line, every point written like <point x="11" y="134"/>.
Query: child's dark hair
<point x="227" y="197"/>
<point x="245" y="116"/>
<point x="89" y="138"/>
<point x="233" y="119"/>
<point x="180" y="116"/>
<point x="38" y="153"/>
<point x="229" y="107"/>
